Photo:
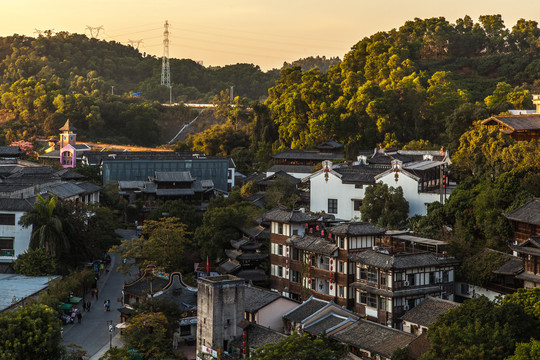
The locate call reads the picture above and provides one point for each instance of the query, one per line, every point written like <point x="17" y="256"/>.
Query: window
<point x="372" y="275"/>
<point x="445" y="277"/>
<point x="324" y="263"/>
<point x="363" y="274"/>
<point x="341" y="266"/>
<point x="341" y="292"/>
<point x="332" y="206"/>
<point x="368" y="299"/>
<point x="280" y="228"/>
<point x="295" y="254"/>
<point x="382" y="303"/>
<point x="342" y="242"/>
<point x="410" y="279"/>
<point x="6" y="246"/>
<point x="295" y="232"/>
<point x="280" y="249"/>
<point x="357" y="204"/>
<point x="7" y="219"/>
<point x="357" y="186"/>
<point x="295" y="276"/>
<point x="279" y="271"/>
<point x="383" y="279"/>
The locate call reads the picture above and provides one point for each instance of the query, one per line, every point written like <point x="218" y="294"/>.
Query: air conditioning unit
<point x="406" y="307"/>
<point x="406" y="283"/>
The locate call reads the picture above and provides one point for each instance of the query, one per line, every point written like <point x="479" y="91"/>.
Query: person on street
<point x="88" y="304"/>
<point x="79" y="317"/>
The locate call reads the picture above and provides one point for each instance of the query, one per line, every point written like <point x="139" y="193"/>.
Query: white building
<point x="14" y="239"/>
<point x="341" y="190"/>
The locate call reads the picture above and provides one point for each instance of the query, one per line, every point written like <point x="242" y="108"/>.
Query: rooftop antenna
<point x="94" y="28"/>
<point x="133" y="42"/>
<point x="165" y="67"/>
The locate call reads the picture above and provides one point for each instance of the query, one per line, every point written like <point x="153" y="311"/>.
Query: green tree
<point x="147" y="333"/>
<point x="282" y="191"/>
<point x="178" y="209"/>
<point x="528" y="299"/>
<point x="47" y="227"/>
<point x="35" y="262"/>
<point x="164" y="243"/>
<point x="118" y="354"/>
<point x="30" y="332"/>
<point x="300" y="347"/>
<point x="384" y="206"/>
<point x="526" y="351"/>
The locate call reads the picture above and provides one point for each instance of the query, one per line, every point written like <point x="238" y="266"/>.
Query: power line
<point x="133" y="42"/>
<point x="94" y="28"/>
<point x="165" y="67"/>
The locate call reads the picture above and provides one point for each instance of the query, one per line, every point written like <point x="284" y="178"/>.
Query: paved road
<point x="92" y="334"/>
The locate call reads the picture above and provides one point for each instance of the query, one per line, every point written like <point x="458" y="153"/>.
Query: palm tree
<point x="47" y="229"/>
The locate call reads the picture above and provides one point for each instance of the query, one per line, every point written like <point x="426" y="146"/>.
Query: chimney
<point x="536" y="101"/>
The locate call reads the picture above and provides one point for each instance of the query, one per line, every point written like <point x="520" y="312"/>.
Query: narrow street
<point x="93" y="332"/>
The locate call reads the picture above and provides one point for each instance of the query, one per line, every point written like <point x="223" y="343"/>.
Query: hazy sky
<point x="265" y="33"/>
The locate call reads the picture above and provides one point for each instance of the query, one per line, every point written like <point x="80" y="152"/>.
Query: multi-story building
<point x="387" y="285"/>
<point x="525" y="221"/>
<point x="529" y="251"/>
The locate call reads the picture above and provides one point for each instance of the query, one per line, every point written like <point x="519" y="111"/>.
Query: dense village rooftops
<point x="399" y="260"/>
<point x="327" y="323"/>
<point x="373" y="337"/>
<point x="254" y="275"/>
<point x="530" y="246"/>
<point x="419" y="240"/>
<point x="173" y="176"/>
<point x="528" y="213"/>
<point x="88" y="187"/>
<point x="422" y="165"/>
<point x="413" y="291"/>
<point x="278" y="174"/>
<point x="516" y="122"/>
<point x="145" y="285"/>
<point x="305" y="310"/>
<point x="32" y="171"/>
<point x="427" y="312"/>
<point x="382" y="158"/>
<point x="131" y="185"/>
<point x="359" y="174"/>
<point x="174" y="192"/>
<point x="15" y="205"/>
<point x="255" y="298"/>
<point x="246" y="245"/>
<point x="302" y="169"/>
<point x="330" y="145"/>
<point x="256" y="232"/>
<point x="68" y="174"/>
<point x="356" y="229"/>
<point x="19" y="287"/>
<point x="10" y="151"/>
<point x="307" y="155"/>
<point x="289" y="216"/>
<point x="240" y="256"/>
<point x="314" y="244"/>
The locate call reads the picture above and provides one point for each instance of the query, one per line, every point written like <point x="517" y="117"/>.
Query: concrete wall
<point x="21" y="235"/>
<point x="271" y="315"/>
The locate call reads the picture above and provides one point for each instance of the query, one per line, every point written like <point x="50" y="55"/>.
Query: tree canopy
<point x="384" y="206"/>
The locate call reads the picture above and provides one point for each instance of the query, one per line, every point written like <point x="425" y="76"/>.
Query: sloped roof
<point x="359" y="174"/>
<point x="307" y="155"/>
<point x="68" y="126"/>
<point x="173" y="176"/>
<point x="10" y="151"/>
<point x="528" y="213"/>
<point x="255" y="275"/>
<point x="305" y="310"/>
<point x="325" y="323"/>
<point x="258" y="336"/>
<point x="69" y="174"/>
<point x="15" y="205"/>
<point x="356" y="229"/>
<point x="66" y="190"/>
<point x="288" y="216"/>
<point x="174" y="192"/>
<point x="516" y="122"/>
<point x="428" y="310"/>
<point x="255" y="298"/>
<point x="299" y="169"/>
<point x="314" y="244"/>
<point x="373" y="337"/>
<point x="88" y="187"/>
<point x="394" y="261"/>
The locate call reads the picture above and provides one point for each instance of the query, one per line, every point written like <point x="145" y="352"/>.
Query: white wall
<point x="271" y="315"/>
<point x="321" y="191"/>
<point x="417" y="201"/>
<point x="21" y="235"/>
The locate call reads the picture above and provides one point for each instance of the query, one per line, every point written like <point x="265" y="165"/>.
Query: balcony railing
<point x="7" y="252"/>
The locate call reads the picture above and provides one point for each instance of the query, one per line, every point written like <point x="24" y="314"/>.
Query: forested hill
<point x="429" y="79"/>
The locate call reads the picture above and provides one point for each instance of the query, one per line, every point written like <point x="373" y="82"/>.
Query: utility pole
<point x="231" y="93"/>
<point x="133" y="42"/>
<point x="94" y="28"/>
<point x="165" y="67"/>
<point x="112" y="89"/>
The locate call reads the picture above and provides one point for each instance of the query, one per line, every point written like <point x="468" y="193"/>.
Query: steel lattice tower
<point x="165" y="67"/>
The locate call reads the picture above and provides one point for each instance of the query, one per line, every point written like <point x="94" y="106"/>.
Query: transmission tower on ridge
<point x="165" y="68"/>
<point x="94" y="28"/>
<point x="133" y="42"/>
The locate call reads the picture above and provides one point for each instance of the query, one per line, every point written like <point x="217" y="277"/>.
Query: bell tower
<point x="67" y="135"/>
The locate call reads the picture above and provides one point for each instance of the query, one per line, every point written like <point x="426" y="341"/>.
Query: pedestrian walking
<point x="105" y="305"/>
<point x="79" y="317"/>
<point x="88" y="304"/>
<point x="108" y="305"/>
<point x="96" y="293"/>
<point x="84" y="305"/>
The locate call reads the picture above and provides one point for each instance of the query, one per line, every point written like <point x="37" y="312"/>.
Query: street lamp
<point x="111" y="328"/>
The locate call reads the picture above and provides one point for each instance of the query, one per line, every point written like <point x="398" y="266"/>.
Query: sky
<point x="264" y="33"/>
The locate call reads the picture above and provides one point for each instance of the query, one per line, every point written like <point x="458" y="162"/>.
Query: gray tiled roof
<point x="255" y="298"/>
<point x="360" y="174"/>
<point x="528" y="213"/>
<point x="428" y="310"/>
<point x="412" y="291"/>
<point x="88" y="187"/>
<point x="255" y="275"/>
<point x="395" y="261"/>
<point x="517" y="122"/>
<point x="258" y="336"/>
<point x="356" y="229"/>
<point x="173" y="176"/>
<point x="15" y="205"/>
<point x="296" y="169"/>
<point x="306" y="309"/>
<point x="288" y="216"/>
<point x="307" y="155"/>
<point x="68" y="174"/>
<point x="33" y="171"/>
<point x="124" y="185"/>
<point x="141" y="286"/>
<point x="10" y="151"/>
<point x="322" y="325"/>
<point x="313" y="243"/>
<point x="373" y="337"/>
<point x="66" y="190"/>
<point x="174" y="192"/>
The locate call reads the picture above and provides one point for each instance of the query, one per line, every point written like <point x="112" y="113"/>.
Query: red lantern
<point x="331" y="287"/>
<point x="244" y="351"/>
<point x="244" y="336"/>
<point x="329" y="236"/>
<point x="243" y="343"/>
<point x="322" y="233"/>
<point x="306" y="225"/>
<point x="331" y="261"/>
<point x="317" y="227"/>
<point x="309" y="281"/>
